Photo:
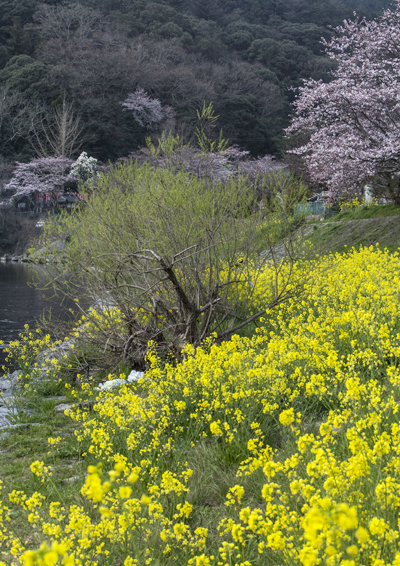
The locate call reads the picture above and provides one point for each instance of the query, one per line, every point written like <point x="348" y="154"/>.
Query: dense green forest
<point x="241" y="55"/>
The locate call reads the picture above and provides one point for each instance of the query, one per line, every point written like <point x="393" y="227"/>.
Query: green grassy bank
<point x="363" y="226"/>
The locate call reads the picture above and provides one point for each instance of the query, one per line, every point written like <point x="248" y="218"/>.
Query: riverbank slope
<point x="236" y="447"/>
<point x="340" y="235"/>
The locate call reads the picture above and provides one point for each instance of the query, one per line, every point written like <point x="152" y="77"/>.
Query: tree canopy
<point x="353" y="122"/>
<point x="240" y="55"/>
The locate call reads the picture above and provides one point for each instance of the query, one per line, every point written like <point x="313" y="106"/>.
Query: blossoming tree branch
<point x="353" y="122"/>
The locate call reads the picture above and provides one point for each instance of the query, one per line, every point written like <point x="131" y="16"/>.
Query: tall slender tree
<point x="57" y="133"/>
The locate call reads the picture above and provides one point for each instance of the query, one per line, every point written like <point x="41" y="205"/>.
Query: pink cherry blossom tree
<point x="352" y="124"/>
<point x="147" y="111"/>
<point x="41" y="179"/>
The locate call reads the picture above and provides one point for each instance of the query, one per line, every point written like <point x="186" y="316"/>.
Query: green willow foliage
<point x="163" y="256"/>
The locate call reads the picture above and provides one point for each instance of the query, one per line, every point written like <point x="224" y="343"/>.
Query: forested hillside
<point x="77" y="61"/>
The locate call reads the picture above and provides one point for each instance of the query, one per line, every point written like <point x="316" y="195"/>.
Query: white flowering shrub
<point x="85" y="167"/>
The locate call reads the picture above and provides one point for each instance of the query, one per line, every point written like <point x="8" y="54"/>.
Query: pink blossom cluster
<point x="147" y="111"/>
<point x="261" y="166"/>
<point x="353" y="122"/>
<point x="45" y="176"/>
<point x="217" y="165"/>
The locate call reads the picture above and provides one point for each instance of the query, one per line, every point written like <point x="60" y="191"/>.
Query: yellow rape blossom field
<point x="280" y="449"/>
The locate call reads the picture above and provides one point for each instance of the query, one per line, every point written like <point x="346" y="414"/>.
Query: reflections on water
<point x="20" y="302"/>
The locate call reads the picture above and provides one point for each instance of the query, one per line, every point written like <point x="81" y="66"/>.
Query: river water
<point x="20" y="302"/>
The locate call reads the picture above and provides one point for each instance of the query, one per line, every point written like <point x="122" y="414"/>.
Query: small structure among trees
<point x="352" y="124"/>
<point x="68" y="201"/>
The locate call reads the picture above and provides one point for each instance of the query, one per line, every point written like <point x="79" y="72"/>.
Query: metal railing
<point x="315" y="208"/>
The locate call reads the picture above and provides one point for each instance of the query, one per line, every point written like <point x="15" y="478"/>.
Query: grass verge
<point x="342" y="235"/>
<point x="365" y="212"/>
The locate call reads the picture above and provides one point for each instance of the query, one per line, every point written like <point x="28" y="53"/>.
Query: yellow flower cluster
<point x="40" y="470"/>
<point x="358" y="202"/>
<point x="307" y="411"/>
<point x="35" y="355"/>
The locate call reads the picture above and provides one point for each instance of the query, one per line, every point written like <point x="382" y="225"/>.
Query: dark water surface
<point x="21" y="303"/>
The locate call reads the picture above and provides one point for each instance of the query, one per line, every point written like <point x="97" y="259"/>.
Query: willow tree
<point x="163" y="256"/>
